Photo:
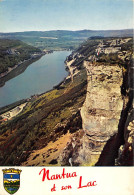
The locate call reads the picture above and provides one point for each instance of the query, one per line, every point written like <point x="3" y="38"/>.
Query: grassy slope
<point x="44" y="119"/>
<point x="37" y="125"/>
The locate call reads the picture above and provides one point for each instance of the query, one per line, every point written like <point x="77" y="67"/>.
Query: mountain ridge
<point x="65" y="39"/>
<point x="83" y="30"/>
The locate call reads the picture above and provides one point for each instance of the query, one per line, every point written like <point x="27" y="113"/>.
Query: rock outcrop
<point x="107" y="113"/>
<point x="102" y="108"/>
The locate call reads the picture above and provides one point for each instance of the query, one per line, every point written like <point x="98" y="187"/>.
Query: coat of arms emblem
<point x="11" y="180"/>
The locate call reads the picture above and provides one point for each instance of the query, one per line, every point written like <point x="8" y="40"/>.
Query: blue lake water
<point x="39" y="77"/>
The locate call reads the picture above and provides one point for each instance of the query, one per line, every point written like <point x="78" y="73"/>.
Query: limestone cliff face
<point x="102" y="108"/>
<point x="107" y="113"/>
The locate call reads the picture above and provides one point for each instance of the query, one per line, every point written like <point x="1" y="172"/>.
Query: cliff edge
<point x="107" y="113"/>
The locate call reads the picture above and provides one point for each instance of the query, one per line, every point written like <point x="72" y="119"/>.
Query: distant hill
<point x="80" y="33"/>
<point x="63" y="39"/>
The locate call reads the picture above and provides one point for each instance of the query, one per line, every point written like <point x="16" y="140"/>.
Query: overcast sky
<point x="27" y="15"/>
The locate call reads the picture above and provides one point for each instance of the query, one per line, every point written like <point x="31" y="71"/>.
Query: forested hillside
<point x="14" y="52"/>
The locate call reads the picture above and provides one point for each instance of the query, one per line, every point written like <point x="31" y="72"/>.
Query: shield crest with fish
<point x="11" y="180"/>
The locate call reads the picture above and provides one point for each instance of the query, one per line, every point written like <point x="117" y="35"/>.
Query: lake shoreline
<point x="11" y="106"/>
<point x="18" y="69"/>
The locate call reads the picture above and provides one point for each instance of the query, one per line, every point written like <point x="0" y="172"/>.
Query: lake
<point x="39" y="77"/>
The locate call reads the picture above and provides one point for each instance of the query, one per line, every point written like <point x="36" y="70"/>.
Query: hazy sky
<point x="26" y="15"/>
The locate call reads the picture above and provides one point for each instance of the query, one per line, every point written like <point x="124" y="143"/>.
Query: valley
<point x="86" y="120"/>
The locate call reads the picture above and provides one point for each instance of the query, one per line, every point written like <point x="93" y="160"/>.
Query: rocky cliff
<point x="107" y="113"/>
<point x="101" y="110"/>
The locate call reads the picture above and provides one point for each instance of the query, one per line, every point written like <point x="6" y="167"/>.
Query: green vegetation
<point x="44" y="119"/>
<point x="62" y="39"/>
<point x="48" y="116"/>
<point x="13" y="52"/>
